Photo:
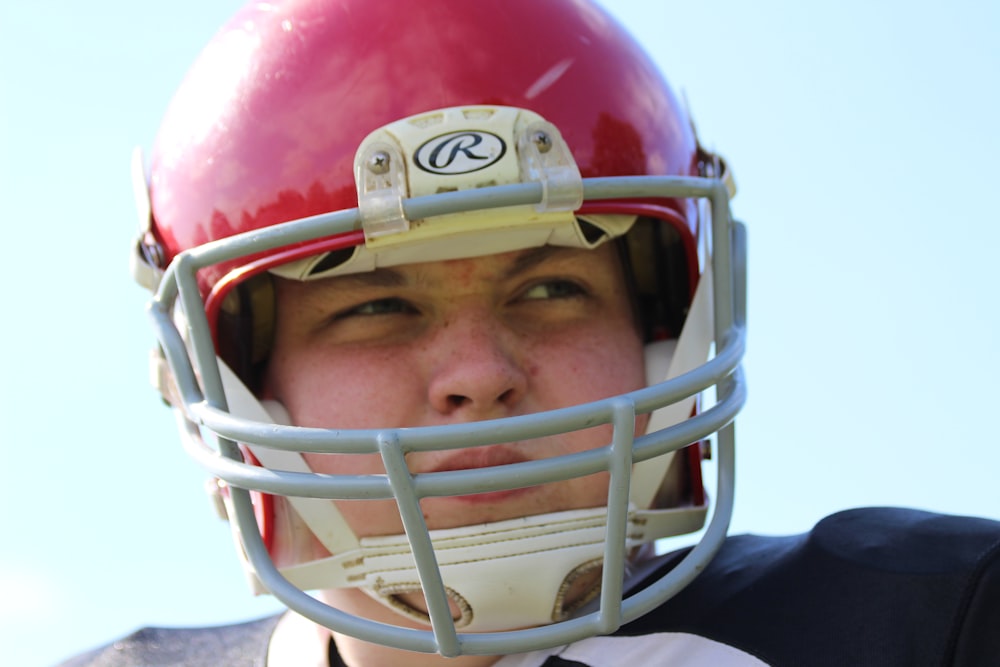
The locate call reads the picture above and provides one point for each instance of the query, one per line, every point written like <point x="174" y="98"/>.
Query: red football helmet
<point x="319" y="137"/>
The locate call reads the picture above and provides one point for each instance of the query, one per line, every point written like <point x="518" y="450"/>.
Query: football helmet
<point x="317" y="138"/>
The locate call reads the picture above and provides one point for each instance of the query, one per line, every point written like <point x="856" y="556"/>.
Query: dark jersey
<point x="863" y="588"/>
<point x="240" y="645"/>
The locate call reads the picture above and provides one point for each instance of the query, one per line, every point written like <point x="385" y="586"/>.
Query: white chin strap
<point x="501" y="575"/>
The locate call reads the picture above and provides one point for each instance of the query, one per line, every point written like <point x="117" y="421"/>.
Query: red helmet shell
<point x="265" y="126"/>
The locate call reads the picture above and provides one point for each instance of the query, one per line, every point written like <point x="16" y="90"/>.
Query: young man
<point x="439" y="288"/>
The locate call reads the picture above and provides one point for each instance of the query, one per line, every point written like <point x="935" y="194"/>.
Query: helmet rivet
<point x="378" y="163"/>
<point x="542" y="141"/>
<point x="154" y="254"/>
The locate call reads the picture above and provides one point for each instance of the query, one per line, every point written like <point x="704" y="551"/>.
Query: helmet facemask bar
<point x="205" y="404"/>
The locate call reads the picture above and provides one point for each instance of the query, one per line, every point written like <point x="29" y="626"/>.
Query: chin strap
<point x="500" y="575"/>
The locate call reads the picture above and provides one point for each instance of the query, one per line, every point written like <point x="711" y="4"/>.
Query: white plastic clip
<point x="146" y="260"/>
<point x="380" y="174"/>
<point x="545" y="158"/>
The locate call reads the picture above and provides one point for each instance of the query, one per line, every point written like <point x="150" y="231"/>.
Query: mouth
<point x="472" y="458"/>
<point x="483" y="457"/>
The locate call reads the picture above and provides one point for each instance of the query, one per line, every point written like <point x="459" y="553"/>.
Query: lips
<point x="480" y="457"/>
<point x="483" y="457"/>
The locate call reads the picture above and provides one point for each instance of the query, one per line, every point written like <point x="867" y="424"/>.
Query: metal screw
<point x="153" y="253"/>
<point x="378" y="163"/>
<point x="542" y="141"/>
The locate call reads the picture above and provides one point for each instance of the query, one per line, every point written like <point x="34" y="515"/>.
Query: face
<point x="458" y="341"/>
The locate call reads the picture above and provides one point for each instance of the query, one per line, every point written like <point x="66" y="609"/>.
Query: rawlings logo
<point x="460" y="152"/>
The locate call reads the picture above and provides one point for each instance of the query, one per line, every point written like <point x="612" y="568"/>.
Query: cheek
<point x="344" y="389"/>
<point x="598" y="364"/>
<point x="589" y="365"/>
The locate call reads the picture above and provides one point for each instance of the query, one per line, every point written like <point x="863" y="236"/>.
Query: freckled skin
<point x="457" y="341"/>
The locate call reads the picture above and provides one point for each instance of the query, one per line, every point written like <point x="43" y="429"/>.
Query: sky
<point x="863" y="137"/>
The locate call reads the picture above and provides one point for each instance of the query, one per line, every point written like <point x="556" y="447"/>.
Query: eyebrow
<point x="532" y="258"/>
<point x="381" y="277"/>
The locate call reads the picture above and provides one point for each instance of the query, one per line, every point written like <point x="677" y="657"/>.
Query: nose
<point x="477" y="368"/>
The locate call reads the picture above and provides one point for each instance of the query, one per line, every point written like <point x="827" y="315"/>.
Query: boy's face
<point x="459" y="341"/>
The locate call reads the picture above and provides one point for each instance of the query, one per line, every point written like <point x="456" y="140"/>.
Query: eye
<point x="387" y="306"/>
<point x="553" y="289"/>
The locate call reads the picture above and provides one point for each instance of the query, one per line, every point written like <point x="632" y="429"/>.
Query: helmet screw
<point x="542" y="141"/>
<point x="154" y="254"/>
<point x="378" y="163"/>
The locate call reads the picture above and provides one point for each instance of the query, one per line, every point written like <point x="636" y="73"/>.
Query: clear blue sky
<point x="864" y="139"/>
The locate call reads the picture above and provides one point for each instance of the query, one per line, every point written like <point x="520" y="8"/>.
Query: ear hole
<point x="245" y="328"/>
<point x="657" y="270"/>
